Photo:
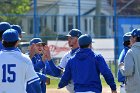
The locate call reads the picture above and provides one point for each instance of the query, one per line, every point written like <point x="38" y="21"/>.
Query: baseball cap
<point x="4" y="26"/>
<point x="35" y="41"/>
<point x="18" y="28"/>
<point x="135" y="33"/>
<point x="10" y="35"/>
<point x="74" y="33"/>
<point x="126" y="36"/>
<point x="84" y="40"/>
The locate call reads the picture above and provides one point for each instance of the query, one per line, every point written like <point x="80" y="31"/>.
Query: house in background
<point x="60" y="16"/>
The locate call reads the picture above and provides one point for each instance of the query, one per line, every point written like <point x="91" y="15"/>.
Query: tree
<point x="11" y="9"/>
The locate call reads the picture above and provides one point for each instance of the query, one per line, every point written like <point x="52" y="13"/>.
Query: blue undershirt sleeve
<point x="34" y="87"/>
<point x="56" y="70"/>
<point x="66" y="76"/>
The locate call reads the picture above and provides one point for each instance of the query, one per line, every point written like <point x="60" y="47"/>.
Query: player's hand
<point x="48" y="81"/>
<point x="46" y="53"/>
<point x="121" y="65"/>
<point x="58" y="88"/>
<point x="114" y="91"/>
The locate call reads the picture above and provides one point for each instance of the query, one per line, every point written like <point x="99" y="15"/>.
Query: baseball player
<point x="16" y="69"/>
<point x="131" y="66"/>
<point x="3" y="27"/>
<point x="18" y="28"/>
<point x="41" y="65"/>
<point x="127" y="45"/>
<point x="84" y="69"/>
<point x="73" y="43"/>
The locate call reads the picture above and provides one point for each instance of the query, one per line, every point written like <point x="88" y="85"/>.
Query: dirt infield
<point x="105" y="90"/>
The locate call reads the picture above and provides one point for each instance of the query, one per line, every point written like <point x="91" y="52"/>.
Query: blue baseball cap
<point x="35" y="41"/>
<point x="10" y="35"/>
<point x="126" y="36"/>
<point x="135" y="33"/>
<point x="84" y="40"/>
<point x="18" y="28"/>
<point x="4" y="26"/>
<point x="74" y="33"/>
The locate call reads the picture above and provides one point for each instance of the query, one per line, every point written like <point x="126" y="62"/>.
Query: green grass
<point x="55" y="81"/>
<point x="104" y="84"/>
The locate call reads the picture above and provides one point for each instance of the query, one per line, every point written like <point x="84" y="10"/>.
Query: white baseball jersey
<point x="16" y="70"/>
<point x="62" y="65"/>
<point x="64" y="60"/>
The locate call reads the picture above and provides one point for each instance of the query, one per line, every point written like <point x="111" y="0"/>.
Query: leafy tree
<point x="10" y="10"/>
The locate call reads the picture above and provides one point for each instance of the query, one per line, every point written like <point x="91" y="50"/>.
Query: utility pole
<point x="79" y="15"/>
<point x="35" y="19"/>
<point x="115" y="37"/>
<point x="98" y="18"/>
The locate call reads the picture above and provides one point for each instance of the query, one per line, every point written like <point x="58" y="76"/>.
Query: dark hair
<point x="138" y="39"/>
<point x="9" y="44"/>
<point x="85" y="46"/>
<point x="126" y="43"/>
<point x="1" y="32"/>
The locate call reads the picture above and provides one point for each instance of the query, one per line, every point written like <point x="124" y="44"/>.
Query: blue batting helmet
<point x="127" y="36"/>
<point x="135" y="33"/>
<point x="18" y="28"/>
<point x="74" y="33"/>
<point x="4" y="26"/>
<point x="84" y="40"/>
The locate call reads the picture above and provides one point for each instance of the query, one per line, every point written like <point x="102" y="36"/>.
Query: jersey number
<point x="8" y="74"/>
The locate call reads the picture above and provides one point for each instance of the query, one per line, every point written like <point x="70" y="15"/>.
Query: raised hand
<point x="46" y="53"/>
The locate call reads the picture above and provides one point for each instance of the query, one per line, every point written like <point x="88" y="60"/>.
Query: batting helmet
<point x="135" y="33"/>
<point x="18" y="28"/>
<point x="127" y="36"/>
<point x="4" y="26"/>
<point x="84" y="40"/>
<point x="74" y="33"/>
<point x="10" y="35"/>
<point x="35" y="40"/>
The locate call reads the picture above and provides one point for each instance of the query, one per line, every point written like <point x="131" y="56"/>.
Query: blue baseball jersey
<point x="84" y="69"/>
<point x="16" y="70"/>
<point x="42" y="68"/>
<point x="121" y="78"/>
<point x="1" y="46"/>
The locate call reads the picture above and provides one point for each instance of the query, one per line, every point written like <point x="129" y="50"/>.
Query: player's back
<point x="13" y="66"/>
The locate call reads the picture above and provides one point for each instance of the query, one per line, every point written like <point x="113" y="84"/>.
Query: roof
<point x="46" y="2"/>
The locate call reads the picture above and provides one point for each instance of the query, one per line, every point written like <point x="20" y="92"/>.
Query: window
<point x="30" y="25"/>
<point x="64" y="23"/>
<point x="103" y="26"/>
<point x="45" y="21"/>
<point x="85" y="23"/>
<point x="70" y="23"/>
<point x="54" y="23"/>
<point x="76" y="21"/>
<point x="40" y="23"/>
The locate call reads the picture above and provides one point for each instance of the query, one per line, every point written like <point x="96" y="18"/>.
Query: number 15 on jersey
<point x="8" y="73"/>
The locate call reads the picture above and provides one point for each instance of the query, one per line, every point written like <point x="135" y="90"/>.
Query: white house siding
<point x="70" y="8"/>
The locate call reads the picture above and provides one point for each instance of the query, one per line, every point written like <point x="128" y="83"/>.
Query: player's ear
<point x="17" y="43"/>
